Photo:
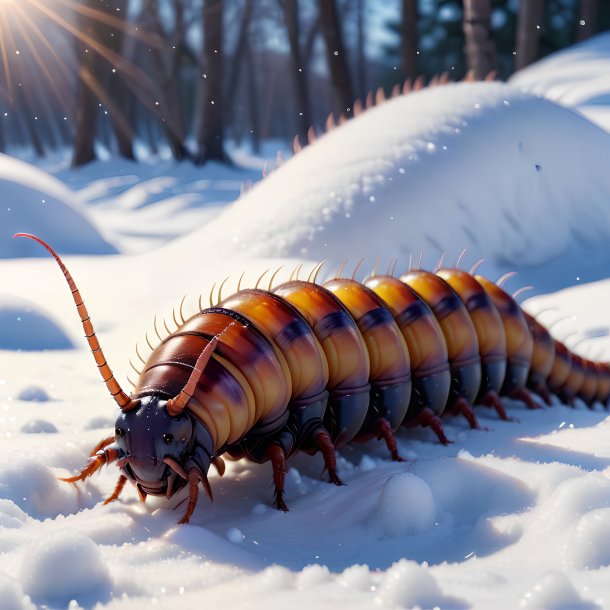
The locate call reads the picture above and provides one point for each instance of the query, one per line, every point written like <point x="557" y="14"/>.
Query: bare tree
<point x="299" y="66"/>
<point x="86" y="102"/>
<point x="480" y="46"/>
<point x="410" y="17"/>
<point x="211" y="129"/>
<point x="529" y="24"/>
<point x="335" y="54"/>
<point x="587" y="19"/>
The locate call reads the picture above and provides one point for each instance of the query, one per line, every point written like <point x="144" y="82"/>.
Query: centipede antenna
<point x="356" y="269"/>
<point x="220" y="289"/>
<point x="139" y="355"/>
<point x="148" y="341"/>
<point x="241" y="277"/>
<point x="180" y="310"/>
<point x="212" y="294"/>
<point x="504" y="278"/>
<point x="134" y="367"/>
<point x="258" y="281"/>
<point x="440" y="263"/>
<point x="369" y="102"/>
<point x="156" y="329"/>
<point x="315" y="277"/>
<point x="459" y="260"/>
<point x="340" y="270"/>
<point x="376" y="267"/>
<point x="169" y="332"/>
<point x="521" y="291"/>
<point x="296" y="145"/>
<point x="474" y="268"/>
<point x="273" y="277"/>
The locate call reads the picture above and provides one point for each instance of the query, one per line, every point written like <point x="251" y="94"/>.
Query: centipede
<point x="309" y="367"/>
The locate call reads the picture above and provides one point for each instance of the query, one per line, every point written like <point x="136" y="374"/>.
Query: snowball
<point x="553" y="591"/>
<point x="405" y="506"/>
<point x="38" y="426"/>
<point x="12" y="595"/>
<point x="33" y="393"/>
<point x="588" y="548"/>
<point x="65" y="566"/>
<point x="312" y="575"/>
<point x="356" y="577"/>
<point x="408" y="584"/>
<point x="235" y="535"/>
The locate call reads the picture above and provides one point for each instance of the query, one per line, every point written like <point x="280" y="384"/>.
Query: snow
<point x="517" y="515"/>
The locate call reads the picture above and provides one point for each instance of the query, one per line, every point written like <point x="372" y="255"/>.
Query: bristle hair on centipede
<point x="263" y="374"/>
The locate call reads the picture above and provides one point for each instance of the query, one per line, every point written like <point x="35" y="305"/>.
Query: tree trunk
<point x="587" y="19"/>
<point x="529" y="24"/>
<point x="361" y="55"/>
<point x="210" y="137"/>
<point x="120" y="93"/>
<point x="242" y="39"/>
<point x="409" y="38"/>
<point x="253" y="100"/>
<point x="291" y="17"/>
<point x="480" y="46"/>
<point x="335" y="54"/>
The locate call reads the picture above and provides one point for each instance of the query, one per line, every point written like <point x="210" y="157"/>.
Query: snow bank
<point x="36" y="202"/>
<point x="577" y="77"/>
<point x="12" y="595"/>
<point x="481" y="166"/>
<point x="25" y="326"/>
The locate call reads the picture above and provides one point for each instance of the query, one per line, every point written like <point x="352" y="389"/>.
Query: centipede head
<point x="154" y="445"/>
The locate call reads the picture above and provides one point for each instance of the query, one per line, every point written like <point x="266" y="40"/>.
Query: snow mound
<point x="406" y="506"/>
<point x="408" y="584"/>
<point x="24" y="326"/>
<point x="12" y="595"/>
<point x="38" y="426"/>
<point x="33" y="393"/>
<point x="584" y="551"/>
<point x="577" y="77"/>
<point x="36" y="202"/>
<point x="83" y="577"/>
<point x="554" y="591"/>
<point x="393" y="182"/>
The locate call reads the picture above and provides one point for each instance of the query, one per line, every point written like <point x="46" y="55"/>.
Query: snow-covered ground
<point x="514" y="516"/>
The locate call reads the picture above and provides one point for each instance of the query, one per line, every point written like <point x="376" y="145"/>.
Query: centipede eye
<point x="119" y="432"/>
<point x="168" y="439"/>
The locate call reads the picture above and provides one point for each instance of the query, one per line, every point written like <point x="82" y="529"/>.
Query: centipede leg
<point x="543" y="391"/>
<point x="492" y="400"/>
<point x="278" y="460"/>
<point x="101" y="445"/>
<point x="328" y="453"/>
<point x="120" y="484"/>
<point x="194" y="477"/>
<point x="427" y="417"/>
<point x="102" y="457"/>
<point x="383" y="430"/>
<point x="524" y="396"/>
<point x="462" y="407"/>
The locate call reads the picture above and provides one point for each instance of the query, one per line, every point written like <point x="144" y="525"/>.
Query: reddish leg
<point x="428" y="418"/>
<point x="117" y="490"/>
<point x="491" y="399"/>
<point x="524" y="396"/>
<point x="462" y="407"/>
<point x="384" y="430"/>
<point x="103" y="443"/>
<point x="328" y="452"/>
<point x="94" y="465"/>
<point x="543" y="391"/>
<point x="278" y="460"/>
